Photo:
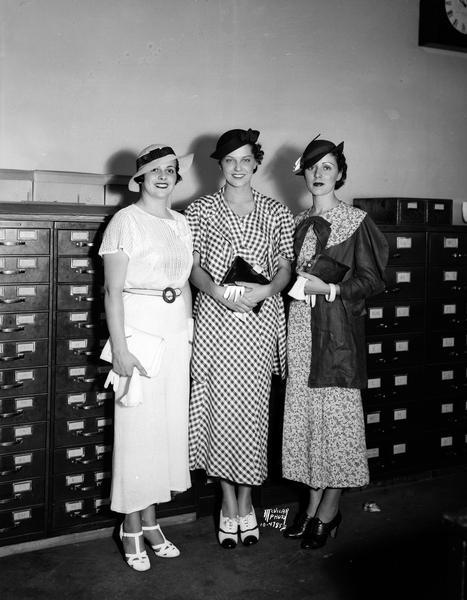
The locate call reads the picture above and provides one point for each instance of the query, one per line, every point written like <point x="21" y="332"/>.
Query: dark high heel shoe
<point x="316" y="532"/>
<point x="297" y="529"/>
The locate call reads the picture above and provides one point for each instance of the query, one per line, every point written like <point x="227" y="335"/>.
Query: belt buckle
<point x="169" y="295"/>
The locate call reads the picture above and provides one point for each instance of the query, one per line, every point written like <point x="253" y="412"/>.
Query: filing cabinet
<point x="415" y="404"/>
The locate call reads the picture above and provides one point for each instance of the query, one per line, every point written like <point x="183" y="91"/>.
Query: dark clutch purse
<point x="241" y="270"/>
<point x="326" y="268"/>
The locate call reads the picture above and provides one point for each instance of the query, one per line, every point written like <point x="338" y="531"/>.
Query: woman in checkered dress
<point x="236" y="350"/>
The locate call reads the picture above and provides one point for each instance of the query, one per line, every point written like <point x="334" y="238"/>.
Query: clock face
<point x="456" y="12"/>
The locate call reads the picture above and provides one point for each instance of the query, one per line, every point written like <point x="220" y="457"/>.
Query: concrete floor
<point x="402" y="552"/>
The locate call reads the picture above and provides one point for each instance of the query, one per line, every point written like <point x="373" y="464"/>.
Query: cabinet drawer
<point x="84" y="404"/>
<point x="24" y="436"/>
<point x="395" y="316"/>
<point x="69" y="432"/>
<point x="24" y="240"/>
<point x="447" y="282"/>
<point x="79" y="269"/>
<point x="448" y="314"/>
<point x="81" y="378"/>
<point x="24" y="269"/>
<point x="395" y="350"/>
<point x="80" y="297"/>
<point x="79" y="350"/>
<point x="404" y="282"/>
<point x="21" y="465"/>
<point x="448" y="411"/>
<point x="80" y="511"/>
<point x="438" y="212"/>
<point x="23" y="353"/>
<point x="24" y="297"/>
<point x="406" y="248"/>
<point x="23" y="409"/>
<point x="444" y="347"/>
<point x="447" y="380"/>
<point x="83" y="323"/>
<point x="22" y="492"/>
<point x="386" y="419"/>
<point x="447" y="248"/>
<point x="394" y="453"/>
<point x="411" y="211"/>
<point x="70" y="486"/>
<point x="80" y="457"/>
<point x="393" y="385"/>
<point x="447" y="445"/>
<point x="17" y="522"/>
<point x="78" y="241"/>
<point x="23" y="326"/>
<point x="23" y="381"/>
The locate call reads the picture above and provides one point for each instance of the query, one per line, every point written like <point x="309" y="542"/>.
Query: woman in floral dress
<point x="324" y="437"/>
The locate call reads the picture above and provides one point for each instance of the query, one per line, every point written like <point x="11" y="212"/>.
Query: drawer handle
<point x="12" y="300"/>
<point x="85" y="461"/>
<point x="85" y="299"/>
<point x="395" y="255"/>
<point x="10" y="358"/>
<point x="85" y="271"/>
<point x="458" y="255"/>
<point x="83" y="515"/>
<point x="87" y="406"/>
<point x="384" y="361"/>
<point x="394" y="290"/>
<point x="10" y="499"/>
<point x="15" y="443"/>
<point x="82" y="488"/>
<point x="12" y="243"/>
<point x="9" y="386"/>
<point x="12" y="271"/>
<point x="9" y="415"/>
<point x="85" y="353"/>
<point x="84" y="379"/>
<point x="87" y="434"/>
<point x="84" y="244"/>
<point x="11" y="471"/>
<point x="382" y="326"/>
<point x="5" y="529"/>
<point x="86" y="325"/>
<point x="11" y="329"/>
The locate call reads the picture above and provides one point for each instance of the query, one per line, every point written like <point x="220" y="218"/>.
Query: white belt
<point x="168" y="294"/>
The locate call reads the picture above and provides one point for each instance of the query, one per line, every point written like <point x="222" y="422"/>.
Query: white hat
<point x="157" y="154"/>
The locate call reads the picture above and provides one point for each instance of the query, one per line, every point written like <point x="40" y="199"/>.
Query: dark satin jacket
<point x="338" y="328"/>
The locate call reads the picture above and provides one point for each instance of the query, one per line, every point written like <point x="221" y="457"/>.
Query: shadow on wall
<point x="279" y="170"/>
<point x="205" y="170"/>
<point x="117" y="192"/>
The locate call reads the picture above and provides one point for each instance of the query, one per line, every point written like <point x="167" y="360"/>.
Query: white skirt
<point x="150" y="455"/>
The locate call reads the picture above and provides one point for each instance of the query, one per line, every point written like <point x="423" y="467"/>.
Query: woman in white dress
<point x="147" y="253"/>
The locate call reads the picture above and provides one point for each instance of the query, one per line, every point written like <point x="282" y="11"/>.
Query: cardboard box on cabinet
<point x="69" y="187"/>
<point x="15" y="185"/>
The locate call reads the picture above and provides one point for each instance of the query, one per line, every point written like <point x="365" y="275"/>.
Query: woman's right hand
<point x="124" y="362"/>
<point x="241" y="304"/>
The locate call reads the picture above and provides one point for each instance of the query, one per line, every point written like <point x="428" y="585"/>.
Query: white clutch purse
<point x="149" y="350"/>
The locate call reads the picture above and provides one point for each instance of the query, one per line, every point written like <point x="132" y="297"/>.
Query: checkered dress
<point x="233" y="360"/>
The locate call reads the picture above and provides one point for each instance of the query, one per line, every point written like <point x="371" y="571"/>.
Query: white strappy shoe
<point x="139" y="561"/>
<point x="166" y="549"/>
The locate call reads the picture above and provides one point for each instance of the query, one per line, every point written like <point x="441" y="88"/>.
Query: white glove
<point x="297" y="291"/>
<point x="234" y="292"/>
<point x="122" y="387"/>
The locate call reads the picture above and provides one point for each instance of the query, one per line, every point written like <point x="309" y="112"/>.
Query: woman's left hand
<point x="314" y="285"/>
<point x="254" y="292"/>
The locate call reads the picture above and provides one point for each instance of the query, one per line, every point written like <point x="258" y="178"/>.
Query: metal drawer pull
<point x="5" y="529"/>
<point x="12" y="243"/>
<point x="84" y="244"/>
<point x="86" y="325"/>
<point x="12" y="300"/>
<point x="85" y="461"/>
<point x="85" y="271"/>
<point x="9" y="386"/>
<point x="82" y="488"/>
<point x="12" y="272"/>
<point x="84" y="379"/>
<point x="10" y="499"/>
<point x="11" y="471"/>
<point x="11" y="329"/>
<point x="459" y="255"/>
<point x="15" y="443"/>
<point x="9" y="415"/>
<point x="393" y="290"/>
<point x="382" y="325"/>
<point x="10" y="358"/>
<point x="87" y="406"/>
<point x="85" y="353"/>
<point x="83" y="515"/>
<point x="85" y="299"/>
<point x="89" y="433"/>
<point x="395" y="255"/>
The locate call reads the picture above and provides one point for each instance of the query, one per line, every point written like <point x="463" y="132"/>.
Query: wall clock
<point x="443" y="24"/>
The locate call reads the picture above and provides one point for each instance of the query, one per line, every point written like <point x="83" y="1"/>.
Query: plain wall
<point x="85" y="84"/>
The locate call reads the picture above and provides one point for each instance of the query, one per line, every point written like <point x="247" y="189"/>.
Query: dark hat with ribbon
<point x="314" y="152"/>
<point x="233" y="139"/>
<point x="152" y="156"/>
